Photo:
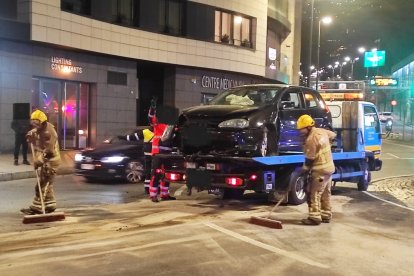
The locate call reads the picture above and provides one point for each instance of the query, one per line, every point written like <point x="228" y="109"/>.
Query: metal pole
<point x="352" y="70"/>
<point x="310" y="45"/>
<point x="317" y="54"/>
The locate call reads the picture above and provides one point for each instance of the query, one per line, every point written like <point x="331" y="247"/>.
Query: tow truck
<point x="356" y="152"/>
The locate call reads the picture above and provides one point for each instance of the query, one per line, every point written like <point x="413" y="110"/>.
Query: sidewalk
<point x="8" y="171"/>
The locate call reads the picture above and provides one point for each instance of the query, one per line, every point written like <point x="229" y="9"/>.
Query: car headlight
<point x="234" y="123"/>
<point x="78" y="157"/>
<point x="112" y="159"/>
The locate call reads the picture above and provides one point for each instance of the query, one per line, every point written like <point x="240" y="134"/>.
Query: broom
<point x="267" y="221"/>
<point x="37" y="218"/>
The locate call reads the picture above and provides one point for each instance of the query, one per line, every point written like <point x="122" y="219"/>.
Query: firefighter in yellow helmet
<point x="319" y="163"/>
<point x="44" y="139"/>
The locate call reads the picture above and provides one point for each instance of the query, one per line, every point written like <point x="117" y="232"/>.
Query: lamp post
<point x="333" y="70"/>
<point x="351" y="61"/>
<point x="310" y="44"/>
<point x="325" y="20"/>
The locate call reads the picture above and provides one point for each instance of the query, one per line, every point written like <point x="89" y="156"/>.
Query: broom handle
<point x="277" y="204"/>
<point x="38" y="181"/>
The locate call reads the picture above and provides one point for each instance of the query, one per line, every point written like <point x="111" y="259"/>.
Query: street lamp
<point x="340" y="65"/>
<point x="351" y="61"/>
<point x="333" y="70"/>
<point x="325" y="20"/>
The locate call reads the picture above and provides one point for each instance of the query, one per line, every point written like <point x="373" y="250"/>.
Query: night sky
<point x="384" y="24"/>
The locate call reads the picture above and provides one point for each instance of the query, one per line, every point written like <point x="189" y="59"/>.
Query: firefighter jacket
<point x="46" y="145"/>
<point x="317" y="149"/>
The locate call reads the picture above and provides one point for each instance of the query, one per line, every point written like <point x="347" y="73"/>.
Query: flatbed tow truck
<point x="356" y="153"/>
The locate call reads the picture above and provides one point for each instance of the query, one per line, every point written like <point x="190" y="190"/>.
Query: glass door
<point x="69" y="130"/>
<point x="66" y="105"/>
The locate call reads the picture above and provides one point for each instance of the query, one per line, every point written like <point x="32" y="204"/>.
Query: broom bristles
<point x="271" y="223"/>
<point x="55" y="216"/>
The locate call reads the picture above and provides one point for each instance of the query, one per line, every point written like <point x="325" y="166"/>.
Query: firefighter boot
<point x="308" y="221"/>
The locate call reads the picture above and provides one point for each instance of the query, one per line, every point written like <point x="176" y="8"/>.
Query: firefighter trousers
<point x="47" y="179"/>
<point x="319" y="201"/>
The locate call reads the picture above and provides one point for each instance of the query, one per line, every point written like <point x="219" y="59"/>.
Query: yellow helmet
<point x="305" y="121"/>
<point x="38" y="115"/>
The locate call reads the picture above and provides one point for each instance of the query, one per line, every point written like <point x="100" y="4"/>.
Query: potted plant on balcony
<point x="246" y="43"/>
<point x="225" y="38"/>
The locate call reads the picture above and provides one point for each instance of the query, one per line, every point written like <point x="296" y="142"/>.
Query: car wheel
<point x="134" y="171"/>
<point x="268" y="144"/>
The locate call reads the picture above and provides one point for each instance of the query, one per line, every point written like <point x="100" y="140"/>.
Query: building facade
<point x="94" y="66"/>
<point x="404" y="73"/>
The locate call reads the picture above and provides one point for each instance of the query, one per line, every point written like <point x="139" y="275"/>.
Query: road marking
<point x="390" y="202"/>
<point x="265" y="246"/>
<point x="395" y="144"/>
<point x="393" y="155"/>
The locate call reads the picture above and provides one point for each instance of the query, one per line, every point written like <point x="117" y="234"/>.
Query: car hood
<point x="215" y="111"/>
<point x="112" y="149"/>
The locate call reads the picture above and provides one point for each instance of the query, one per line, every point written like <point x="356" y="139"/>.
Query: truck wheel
<point x="297" y="193"/>
<point x="365" y="179"/>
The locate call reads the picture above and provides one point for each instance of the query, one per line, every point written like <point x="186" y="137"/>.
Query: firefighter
<point x="44" y="139"/>
<point x="161" y="143"/>
<point x="320" y="167"/>
<point x="146" y="135"/>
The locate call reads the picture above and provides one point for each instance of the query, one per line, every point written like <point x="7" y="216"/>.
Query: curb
<point x="32" y="174"/>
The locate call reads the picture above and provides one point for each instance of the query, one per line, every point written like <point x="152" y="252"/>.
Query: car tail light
<point x="253" y="177"/>
<point x="173" y="176"/>
<point x="234" y="181"/>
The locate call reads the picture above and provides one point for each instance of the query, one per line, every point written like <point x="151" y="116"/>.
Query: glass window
<point x="290" y="100"/>
<point x="310" y="100"/>
<point x="371" y="118"/>
<point x="248" y="96"/>
<point x="232" y="28"/>
<point x="76" y="6"/>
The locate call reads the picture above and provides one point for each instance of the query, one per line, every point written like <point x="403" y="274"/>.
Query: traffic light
<point x="393" y="102"/>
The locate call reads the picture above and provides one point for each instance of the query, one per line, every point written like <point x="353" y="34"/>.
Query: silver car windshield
<point x="247" y="96"/>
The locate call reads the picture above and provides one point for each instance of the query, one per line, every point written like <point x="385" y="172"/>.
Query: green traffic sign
<point x="374" y="59"/>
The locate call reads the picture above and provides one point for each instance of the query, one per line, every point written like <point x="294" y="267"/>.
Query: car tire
<point x="268" y="144"/>
<point x="134" y="171"/>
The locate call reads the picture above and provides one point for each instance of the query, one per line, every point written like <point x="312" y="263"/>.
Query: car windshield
<point x="247" y="96"/>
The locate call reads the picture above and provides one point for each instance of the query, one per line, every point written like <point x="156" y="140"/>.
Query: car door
<point x="291" y="107"/>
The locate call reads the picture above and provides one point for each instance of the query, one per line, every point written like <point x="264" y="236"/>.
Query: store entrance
<point x="66" y="106"/>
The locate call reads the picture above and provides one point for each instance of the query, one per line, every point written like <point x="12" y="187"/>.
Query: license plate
<point x="190" y="165"/>
<point x="211" y="166"/>
<point x="87" y="166"/>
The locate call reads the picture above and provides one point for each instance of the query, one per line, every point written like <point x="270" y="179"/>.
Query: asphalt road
<point x="112" y="229"/>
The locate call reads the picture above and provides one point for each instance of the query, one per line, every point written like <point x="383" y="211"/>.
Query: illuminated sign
<point x="374" y="59"/>
<point x="64" y="65"/>
<point x="384" y="82"/>
<point x="272" y="54"/>
<point x="219" y="83"/>
<point x="348" y="96"/>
